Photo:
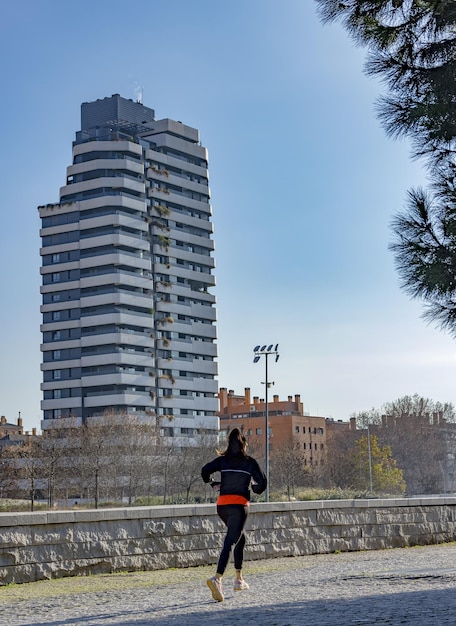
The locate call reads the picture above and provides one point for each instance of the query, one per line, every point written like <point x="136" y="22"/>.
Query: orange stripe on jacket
<point x="232" y="499"/>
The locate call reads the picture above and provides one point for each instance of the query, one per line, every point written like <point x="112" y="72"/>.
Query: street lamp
<point x="370" y="459"/>
<point x="266" y="351"/>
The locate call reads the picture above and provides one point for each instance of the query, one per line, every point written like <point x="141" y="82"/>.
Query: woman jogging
<point x="238" y="473"/>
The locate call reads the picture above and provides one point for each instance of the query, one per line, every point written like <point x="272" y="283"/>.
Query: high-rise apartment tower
<point x="127" y="268"/>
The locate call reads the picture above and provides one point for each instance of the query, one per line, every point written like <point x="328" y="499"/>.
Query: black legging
<point x="234" y="516"/>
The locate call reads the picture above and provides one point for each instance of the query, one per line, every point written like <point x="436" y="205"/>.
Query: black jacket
<point x="238" y="473"/>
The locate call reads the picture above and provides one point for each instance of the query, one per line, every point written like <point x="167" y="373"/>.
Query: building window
<point x="259" y="431"/>
<point x="56" y="258"/>
<point x="56" y="335"/>
<point x="304" y="445"/>
<point x="55" y="316"/>
<point x="57" y="393"/>
<point x="56" y="355"/>
<point x="57" y="374"/>
<point x="56" y="277"/>
<point x="296" y="429"/>
<point x="322" y="445"/>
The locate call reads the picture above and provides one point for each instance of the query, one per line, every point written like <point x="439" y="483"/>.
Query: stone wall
<point x="42" y="545"/>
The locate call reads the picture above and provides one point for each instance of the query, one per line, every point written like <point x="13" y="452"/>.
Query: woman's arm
<point x="210" y="468"/>
<point x="260" y="483"/>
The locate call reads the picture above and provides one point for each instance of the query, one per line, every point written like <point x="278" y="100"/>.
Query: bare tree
<point x="50" y="450"/>
<point x="339" y="470"/>
<point x="166" y="455"/>
<point x="8" y="470"/>
<point x="417" y="448"/>
<point x="136" y="459"/>
<point x="287" y="470"/>
<point x="96" y="461"/>
<point x="189" y="461"/>
<point x="416" y="429"/>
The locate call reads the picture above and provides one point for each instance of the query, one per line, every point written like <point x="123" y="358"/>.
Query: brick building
<point x="13" y="434"/>
<point x="287" y="424"/>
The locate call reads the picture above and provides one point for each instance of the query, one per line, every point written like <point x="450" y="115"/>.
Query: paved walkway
<point x="415" y="586"/>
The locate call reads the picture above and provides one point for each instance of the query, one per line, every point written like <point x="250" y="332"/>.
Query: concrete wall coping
<point x="35" y="518"/>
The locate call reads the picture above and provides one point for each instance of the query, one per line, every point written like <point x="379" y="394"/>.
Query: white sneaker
<point x="240" y="585"/>
<point x="215" y="585"/>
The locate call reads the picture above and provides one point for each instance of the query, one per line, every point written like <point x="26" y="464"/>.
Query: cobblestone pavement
<point x="415" y="586"/>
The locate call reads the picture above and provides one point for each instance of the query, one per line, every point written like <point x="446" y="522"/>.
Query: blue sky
<point x="304" y="183"/>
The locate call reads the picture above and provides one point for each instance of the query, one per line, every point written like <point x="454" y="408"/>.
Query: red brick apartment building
<point x="287" y="424"/>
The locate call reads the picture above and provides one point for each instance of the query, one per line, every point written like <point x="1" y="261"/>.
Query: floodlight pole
<point x="266" y="434"/>
<point x="266" y="351"/>
<point x="369" y="459"/>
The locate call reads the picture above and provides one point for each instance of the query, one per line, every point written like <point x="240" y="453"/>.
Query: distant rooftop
<point x="115" y="111"/>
